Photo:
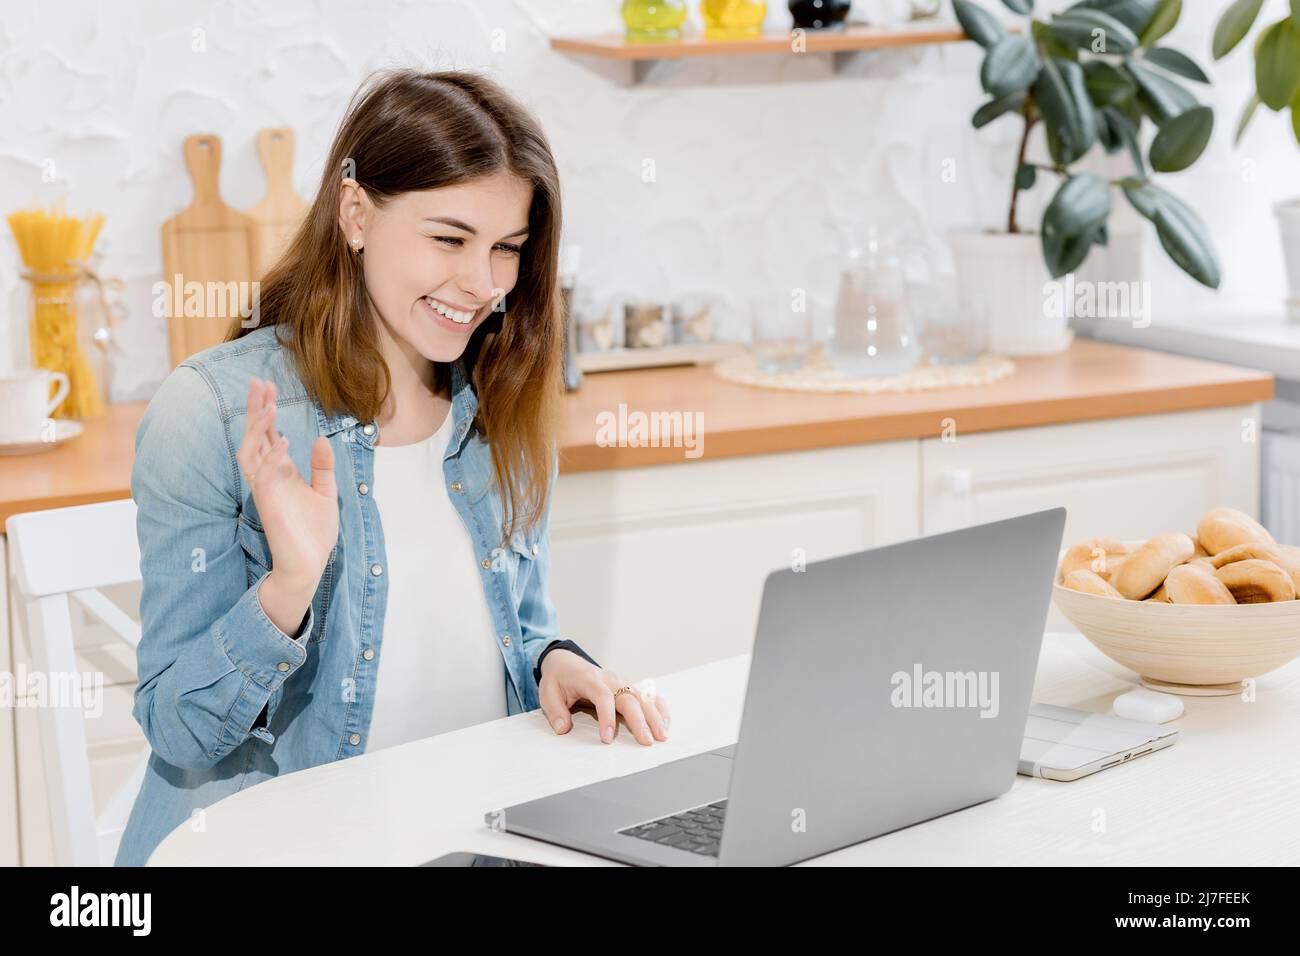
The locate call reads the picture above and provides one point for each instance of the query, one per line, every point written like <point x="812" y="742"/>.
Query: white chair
<point x="60" y="555"/>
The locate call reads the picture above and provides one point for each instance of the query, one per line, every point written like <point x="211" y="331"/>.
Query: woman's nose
<point x="476" y="283"/>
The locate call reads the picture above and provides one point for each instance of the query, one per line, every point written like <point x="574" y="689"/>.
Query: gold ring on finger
<point x="625" y="689"/>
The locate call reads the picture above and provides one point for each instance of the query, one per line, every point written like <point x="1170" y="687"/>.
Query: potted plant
<point x="1089" y="75"/>
<point x="1277" y="86"/>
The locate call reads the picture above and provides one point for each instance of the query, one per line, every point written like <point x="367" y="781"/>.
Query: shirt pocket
<point x="257" y="550"/>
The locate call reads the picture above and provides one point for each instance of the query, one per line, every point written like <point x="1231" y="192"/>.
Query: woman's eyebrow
<point x="456" y="223"/>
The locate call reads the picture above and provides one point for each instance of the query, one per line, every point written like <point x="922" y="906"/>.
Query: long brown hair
<point x="405" y="131"/>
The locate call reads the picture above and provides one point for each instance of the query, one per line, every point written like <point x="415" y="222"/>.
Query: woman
<point x="369" y="465"/>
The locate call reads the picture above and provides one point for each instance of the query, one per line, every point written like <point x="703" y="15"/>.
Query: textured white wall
<point x="753" y="155"/>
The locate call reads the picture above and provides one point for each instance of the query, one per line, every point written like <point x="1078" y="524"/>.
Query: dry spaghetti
<point x="55" y="248"/>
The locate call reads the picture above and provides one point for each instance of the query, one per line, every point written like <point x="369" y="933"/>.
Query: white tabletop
<point x="1226" y="793"/>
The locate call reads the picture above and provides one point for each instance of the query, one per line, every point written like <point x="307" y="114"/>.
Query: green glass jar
<point x="733" y="19"/>
<point x="653" y="21"/>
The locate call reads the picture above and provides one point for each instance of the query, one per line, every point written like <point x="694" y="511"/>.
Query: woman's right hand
<point x="301" y="519"/>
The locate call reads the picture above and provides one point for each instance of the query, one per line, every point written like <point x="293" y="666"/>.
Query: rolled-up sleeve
<point x="210" y="660"/>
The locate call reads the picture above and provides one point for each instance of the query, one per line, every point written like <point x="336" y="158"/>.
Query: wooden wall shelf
<point x="843" y="44"/>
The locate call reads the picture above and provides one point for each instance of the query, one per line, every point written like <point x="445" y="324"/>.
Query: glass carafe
<point x="872" y="329"/>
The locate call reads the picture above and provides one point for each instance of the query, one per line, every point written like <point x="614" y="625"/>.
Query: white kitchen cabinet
<point x="1121" y="478"/>
<point x="660" y="568"/>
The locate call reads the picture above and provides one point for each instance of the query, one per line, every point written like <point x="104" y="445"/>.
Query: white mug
<point x="25" y="403"/>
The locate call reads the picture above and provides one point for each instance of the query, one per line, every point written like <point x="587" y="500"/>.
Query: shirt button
<point x="354" y="739"/>
<point x="505" y="639"/>
<point x="487" y="563"/>
<point x="455" y="486"/>
<point x="363" y="488"/>
<point x="376" y="570"/>
<point x="282" y="666"/>
<point x="368" y="654"/>
<point x="534" y="549"/>
<point x="368" y="429"/>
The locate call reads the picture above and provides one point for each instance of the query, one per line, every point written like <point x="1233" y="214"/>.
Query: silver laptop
<point x="885" y="688"/>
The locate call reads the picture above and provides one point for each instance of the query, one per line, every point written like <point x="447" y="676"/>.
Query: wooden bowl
<point x="1190" y="649"/>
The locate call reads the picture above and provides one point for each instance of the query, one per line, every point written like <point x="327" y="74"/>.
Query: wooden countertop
<point x="1091" y="380"/>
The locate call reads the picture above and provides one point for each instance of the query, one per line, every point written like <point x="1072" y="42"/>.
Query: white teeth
<point x="460" y="318"/>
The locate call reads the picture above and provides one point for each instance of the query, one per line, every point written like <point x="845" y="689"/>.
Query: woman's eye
<point x="456" y="242"/>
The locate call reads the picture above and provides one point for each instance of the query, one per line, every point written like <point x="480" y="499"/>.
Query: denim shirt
<point x="225" y="698"/>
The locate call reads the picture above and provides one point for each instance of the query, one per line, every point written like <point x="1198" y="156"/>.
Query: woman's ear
<point x="353" y="213"/>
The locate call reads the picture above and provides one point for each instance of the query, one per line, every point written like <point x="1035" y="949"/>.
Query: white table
<point x="1228" y="793"/>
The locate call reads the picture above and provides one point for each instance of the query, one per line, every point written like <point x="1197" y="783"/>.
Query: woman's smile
<point x="448" y="317"/>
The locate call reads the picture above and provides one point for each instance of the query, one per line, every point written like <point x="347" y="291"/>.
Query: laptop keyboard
<point x="698" y="830"/>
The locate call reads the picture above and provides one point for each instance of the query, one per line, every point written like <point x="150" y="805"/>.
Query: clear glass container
<point x="871" y="332"/>
<point x="780" y="334"/>
<point x="952" y="327"/>
<point x="696" y="316"/>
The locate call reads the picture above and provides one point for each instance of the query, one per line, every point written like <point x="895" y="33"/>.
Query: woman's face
<point x="437" y="261"/>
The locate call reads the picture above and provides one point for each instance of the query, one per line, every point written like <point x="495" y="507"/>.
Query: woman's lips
<point x="444" y="321"/>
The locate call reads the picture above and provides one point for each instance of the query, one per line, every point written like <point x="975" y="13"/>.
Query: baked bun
<point x="1196" y="583"/>
<point x="1089" y="582"/>
<point x="1254" y="581"/>
<point x="1240" y="552"/>
<point x="1102" y="556"/>
<point x="1222" y="528"/>
<point x="1159" y="595"/>
<point x="1288" y="559"/>
<point x="1150" y="563"/>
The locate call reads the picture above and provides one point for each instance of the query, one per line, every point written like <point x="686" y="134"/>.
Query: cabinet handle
<point x="958" y="481"/>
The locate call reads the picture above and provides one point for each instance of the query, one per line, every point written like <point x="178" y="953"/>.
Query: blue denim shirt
<point x="225" y="698"/>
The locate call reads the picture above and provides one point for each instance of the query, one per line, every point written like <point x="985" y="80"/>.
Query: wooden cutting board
<point x="281" y="210"/>
<point x="211" y="244"/>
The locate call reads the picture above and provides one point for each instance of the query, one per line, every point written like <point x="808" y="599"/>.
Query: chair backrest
<point x="60" y="556"/>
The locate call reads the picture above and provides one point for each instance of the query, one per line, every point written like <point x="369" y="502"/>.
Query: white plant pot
<point x="1005" y="273"/>
<point x="1288" y="223"/>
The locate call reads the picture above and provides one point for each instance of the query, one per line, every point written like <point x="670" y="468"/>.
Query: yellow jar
<point x="733" y="19"/>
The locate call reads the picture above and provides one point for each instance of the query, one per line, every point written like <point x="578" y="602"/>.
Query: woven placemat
<point x="819" y="375"/>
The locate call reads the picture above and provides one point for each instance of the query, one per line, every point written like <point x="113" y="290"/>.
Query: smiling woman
<point x="360" y="587"/>
<point x="432" y="186"/>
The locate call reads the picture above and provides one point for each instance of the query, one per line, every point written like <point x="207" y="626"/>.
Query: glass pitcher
<point x="871" y="333"/>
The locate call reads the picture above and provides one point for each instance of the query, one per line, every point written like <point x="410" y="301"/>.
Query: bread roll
<point x="1288" y="559"/>
<point x="1222" y="528"/>
<point x="1200" y="550"/>
<point x="1149" y="564"/>
<point x="1089" y="582"/>
<point x="1102" y="556"/>
<point x="1254" y="581"/>
<point x="1159" y="595"/>
<point x="1240" y="552"/>
<point x="1196" y="583"/>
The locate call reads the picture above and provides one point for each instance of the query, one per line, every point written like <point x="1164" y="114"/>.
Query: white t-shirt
<point x="439" y="666"/>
